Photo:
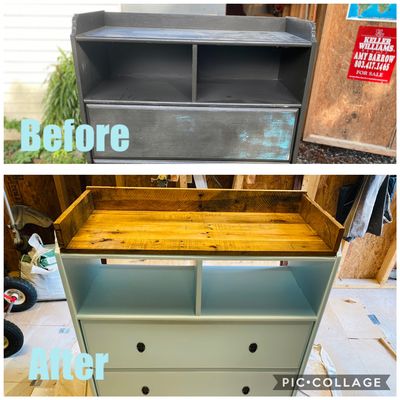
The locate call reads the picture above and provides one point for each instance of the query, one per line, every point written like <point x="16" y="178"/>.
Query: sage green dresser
<point x="196" y="292"/>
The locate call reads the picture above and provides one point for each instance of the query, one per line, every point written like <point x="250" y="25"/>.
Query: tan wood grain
<point x="205" y="232"/>
<point x="310" y="185"/>
<point x="194" y="221"/>
<point x="120" y="180"/>
<point x="322" y="222"/>
<point x="183" y="183"/>
<point x="68" y="188"/>
<point x="197" y="232"/>
<point x="176" y="199"/>
<point x="269" y="182"/>
<point x="366" y="255"/>
<point x="348" y="113"/>
<point x="388" y="264"/>
<point x="238" y="182"/>
<point x="70" y="221"/>
<point x="328" y="190"/>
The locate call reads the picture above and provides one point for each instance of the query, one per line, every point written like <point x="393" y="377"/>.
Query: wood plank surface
<point x="161" y="232"/>
<point x="175" y="199"/>
<point x="348" y="113"/>
<point x="324" y="224"/>
<point x="197" y="222"/>
<point x="72" y="218"/>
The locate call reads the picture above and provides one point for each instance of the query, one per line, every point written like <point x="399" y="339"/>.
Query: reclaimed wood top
<point x="191" y="232"/>
<point x="197" y="222"/>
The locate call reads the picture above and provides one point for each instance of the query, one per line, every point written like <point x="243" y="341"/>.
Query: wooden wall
<point x="369" y="257"/>
<point x="37" y="192"/>
<point x="347" y="113"/>
<point x="327" y="193"/>
<point x="365" y="256"/>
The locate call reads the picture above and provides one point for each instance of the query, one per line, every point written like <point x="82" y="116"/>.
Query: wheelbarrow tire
<point x="29" y="297"/>
<point x="13" y="339"/>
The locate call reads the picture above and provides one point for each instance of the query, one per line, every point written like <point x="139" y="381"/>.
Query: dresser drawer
<point x="199" y="383"/>
<point x="198" y="345"/>
<point x="199" y="133"/>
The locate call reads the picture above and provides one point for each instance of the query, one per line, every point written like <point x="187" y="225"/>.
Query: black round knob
<point x="253" y="347"/>
<point x="245" y="390"/>
<point x="141" y="347"/>
<point x="145" y="390"/>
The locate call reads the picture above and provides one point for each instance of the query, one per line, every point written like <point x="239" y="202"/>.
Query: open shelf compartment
<point x="131" y="289"/>
<point x="248" y="290"/>
<point x="136" y="72"/>
<point x="167" y="288"/>
<point x="292" y="289"/>
<point x="129" y="58"/>
<point x="251" y="74"/>
<point x="197" y="222"/>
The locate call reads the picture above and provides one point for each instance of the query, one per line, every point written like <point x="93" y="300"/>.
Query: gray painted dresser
<point x="205" y="88"/>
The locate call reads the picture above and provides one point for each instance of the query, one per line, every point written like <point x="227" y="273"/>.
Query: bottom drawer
<point x="199" y="383"/>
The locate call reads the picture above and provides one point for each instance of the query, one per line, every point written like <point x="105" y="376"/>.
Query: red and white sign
<point x="374" y="54"/>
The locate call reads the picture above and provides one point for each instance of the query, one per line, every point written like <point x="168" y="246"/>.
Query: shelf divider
<point x="194" y="73"/>
<point x="199" y="277"/>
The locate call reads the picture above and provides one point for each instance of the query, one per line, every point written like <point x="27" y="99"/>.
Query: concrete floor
<point x="346" y="334"/>
<point x="351" y="340"/>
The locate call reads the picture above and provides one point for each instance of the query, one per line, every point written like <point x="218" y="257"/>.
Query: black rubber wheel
<point x="13" y="339"/>
<point x="27" y="295"/>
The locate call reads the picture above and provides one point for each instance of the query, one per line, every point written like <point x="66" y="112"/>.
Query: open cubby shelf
<point x="136" y="72"/>
<point x="251" y="290"/>
<point x="134" y="89"/>
<point x="140" y="290"/>
<point x="153" y="290"/>
<point x="251" y="91"/>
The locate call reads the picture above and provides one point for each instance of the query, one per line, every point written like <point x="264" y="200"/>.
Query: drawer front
<point x="187" y="133"/>
<point x="199" y="383"/>
<point x="198" y="345"/>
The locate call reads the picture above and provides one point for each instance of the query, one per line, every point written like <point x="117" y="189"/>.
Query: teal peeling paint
<point x="185" y="123"/>
<point x="244" y="136"/>
<point x="272" y="138"/>
<point x="184" y="118"/>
